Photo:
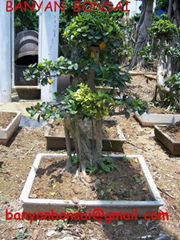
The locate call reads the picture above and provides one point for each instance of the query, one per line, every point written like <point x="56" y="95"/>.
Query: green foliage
<point x="109" y="75"/>
<point x="43" y="70"/>
<point x="106" y="165"/>
<point x="75" y="159"/>
<point x="94" y="28"/>
<point x="71" y="210"/>
<point x="106" y="191"/>
<point x="163" y="30"/>
<point x="59" y="225"/>
<point x="45" y="111"/>
<point x="147" y="53"/>
<point x="86" y="30"/>
<point x="25" y="20"/>
<point x="173" y="98"/>
<point x="125" y="159"/>
<point x="91" y="170"/>
<point x="84" y="102"/>
<point x="173" y="51"/>
<point x="133" y="104"/>
<point x="66" y="16"/>
<point x="81" y="101"/>
<point x="21" y="235"/>
<point x="162" y="5"/>
<point x="139" y="179"/>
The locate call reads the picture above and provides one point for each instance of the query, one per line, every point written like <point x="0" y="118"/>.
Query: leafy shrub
<point x="25" y="20"/>
<point x="94" y="29"/>
<point x="163" y="29"/>
<point x="173" y="51"/>
<point x="86" y="103"/>
<point x="173" y="98"/>
<point x="147" y="53"/>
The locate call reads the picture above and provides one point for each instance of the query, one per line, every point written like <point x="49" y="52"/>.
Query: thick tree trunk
<point x="142" y="29"/>
<point x="174" y="16"/>
<point x="89" y="153"/>
<point x="174" y="12"/>
<point x="91" y="76"/>
<point x="163" y="72"/>
<point x="98" y="140"/>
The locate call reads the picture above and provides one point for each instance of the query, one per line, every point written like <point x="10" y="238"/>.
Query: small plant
<point x="75" y="210"/>
<point x="91" y="170"/>
<point x="147" y="53"/>
<point x="71" y="210"/>
<point x="173" y="98"/>
<point x="88" y="29"/>
<point x="163" y="29"/>
<point x="106" y="191"/>
<point x="125" y="159"/>
<point x="106" y="165"/>
<point x="74" y="159"/>
<point x="59" y="225"/>
<point x="173" y="51"/>
<point x="139" y="180"/>
<point x="109" y="75"/>
<point x="21" y="235"/>
<point x="132" y="104"/>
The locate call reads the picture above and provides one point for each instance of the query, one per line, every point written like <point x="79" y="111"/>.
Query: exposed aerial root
<point x="67" y="167"/>
<point x="76" y="175"/>
<point x="83" y="169"/>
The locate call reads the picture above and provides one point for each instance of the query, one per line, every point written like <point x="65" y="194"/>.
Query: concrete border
<point x="151" y="119"/>
<point x="114" y="145"/>
<point x="44" y="205"/>
<point x="167" y="141"/>
<point x="6" y="133"/>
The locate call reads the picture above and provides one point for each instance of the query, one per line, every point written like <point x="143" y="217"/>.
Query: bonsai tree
<point x="144" y="23"/>
<point x="163" y="33"/>
<point x="95" y="38"/>
<point x="173" y="98"/>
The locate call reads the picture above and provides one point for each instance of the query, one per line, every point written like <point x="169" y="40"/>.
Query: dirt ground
<point x="16" y="160"/>
<point x="173" y="131"/>
<point x="6" y="118"/>
<point x="50" y="184"/>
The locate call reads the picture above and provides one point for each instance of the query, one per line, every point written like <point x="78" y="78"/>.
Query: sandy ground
<point x="16" y="160"/>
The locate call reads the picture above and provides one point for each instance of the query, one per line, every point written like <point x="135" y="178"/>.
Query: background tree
<point x="163" y="32"/>
<point x="144" y="23"/>
<point x="174" y="16"/>
<point x="25" y="20"/>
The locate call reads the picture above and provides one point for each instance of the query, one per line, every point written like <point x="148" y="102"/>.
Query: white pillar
<point x="5" y="53"/>
<point x="48" y="44"/>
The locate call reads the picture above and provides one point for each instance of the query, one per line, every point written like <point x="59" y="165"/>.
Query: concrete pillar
<point x="6" y="40"/>
<point x="48" y="44"/>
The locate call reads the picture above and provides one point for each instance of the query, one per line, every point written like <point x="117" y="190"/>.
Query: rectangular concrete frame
<point x="114" y="145"/>
<point x="6" y="133"/>
<point x="151" y="119"/>
<point x="46" y="205"/>
<point x="167" y="141"/>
